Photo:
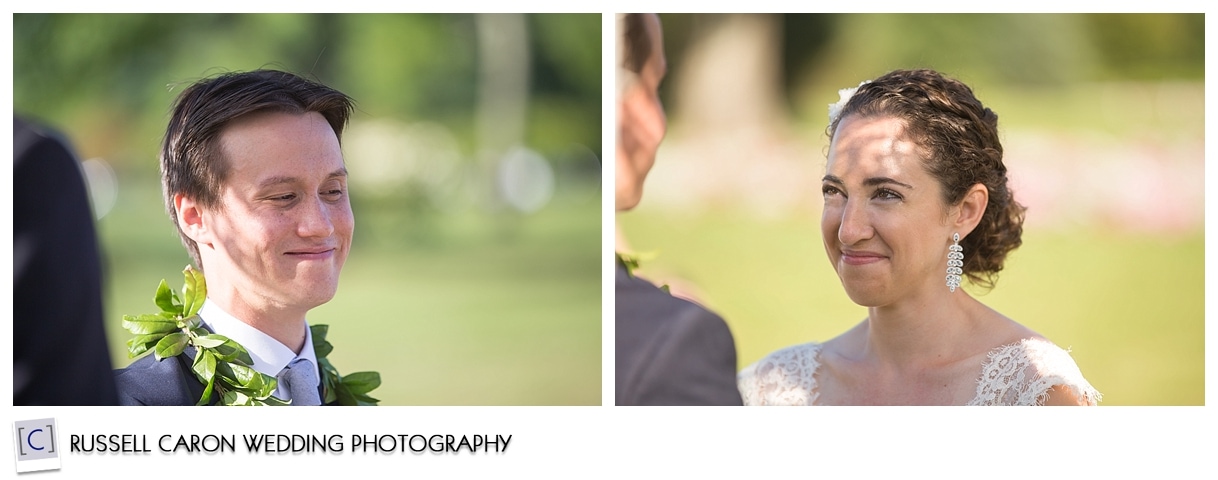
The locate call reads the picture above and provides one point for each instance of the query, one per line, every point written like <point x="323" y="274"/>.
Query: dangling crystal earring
<point x="955" y="260"/>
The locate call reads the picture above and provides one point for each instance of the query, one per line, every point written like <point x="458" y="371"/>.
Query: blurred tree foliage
<point x="109" y="79"/>
<point x="1150" y="46"/>
<point x="825" y="52"/>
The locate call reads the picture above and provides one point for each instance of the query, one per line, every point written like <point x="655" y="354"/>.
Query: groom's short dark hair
<point x="190" y="158"/>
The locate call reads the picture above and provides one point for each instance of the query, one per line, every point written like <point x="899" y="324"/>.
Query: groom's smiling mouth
<point x="318" y="253"/>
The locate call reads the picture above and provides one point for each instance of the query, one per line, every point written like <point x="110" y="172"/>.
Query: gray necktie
<point x="300" y="379"/>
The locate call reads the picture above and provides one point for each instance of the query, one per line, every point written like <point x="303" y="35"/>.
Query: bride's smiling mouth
<point x="859" y="257"/>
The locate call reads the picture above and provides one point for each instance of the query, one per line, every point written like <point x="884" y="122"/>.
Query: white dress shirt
<point x="270" y="356"/>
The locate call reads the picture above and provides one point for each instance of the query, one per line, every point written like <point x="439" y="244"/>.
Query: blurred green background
<point x="1102" y="118"/>
<point x="474" y="155"/>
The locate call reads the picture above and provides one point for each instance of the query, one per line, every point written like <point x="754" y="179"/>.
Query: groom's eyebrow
<point x="282" y="179"/>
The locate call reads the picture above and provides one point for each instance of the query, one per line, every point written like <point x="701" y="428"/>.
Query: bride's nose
<point x="855" y="224"/>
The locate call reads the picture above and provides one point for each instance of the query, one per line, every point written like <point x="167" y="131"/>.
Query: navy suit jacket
<point x="167" y="382"/>
<point x="670" y="351"/>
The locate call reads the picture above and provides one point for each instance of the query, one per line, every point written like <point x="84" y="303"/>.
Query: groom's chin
<point x="627" y="197"/>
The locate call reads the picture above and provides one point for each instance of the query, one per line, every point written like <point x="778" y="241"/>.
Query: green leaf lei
<point x="223" y="365"/>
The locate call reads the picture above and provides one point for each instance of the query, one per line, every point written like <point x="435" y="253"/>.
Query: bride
<point x="915" y="188"/>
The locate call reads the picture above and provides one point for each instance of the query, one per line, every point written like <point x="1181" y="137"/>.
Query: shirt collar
<point x="270" y="356"/>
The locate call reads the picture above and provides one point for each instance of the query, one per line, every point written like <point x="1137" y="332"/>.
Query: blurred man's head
<point x="640" y="116"/>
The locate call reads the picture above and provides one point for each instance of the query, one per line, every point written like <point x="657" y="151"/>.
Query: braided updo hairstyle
<point x="958" y="138"/>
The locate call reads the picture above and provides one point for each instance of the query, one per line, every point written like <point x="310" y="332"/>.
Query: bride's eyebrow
<point x="870" y="182"/>
<point x="876" y="181"/>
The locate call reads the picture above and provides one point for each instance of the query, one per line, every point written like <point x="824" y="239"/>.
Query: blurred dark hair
<point x="191" y="160"/>
<point x="959" y="141"/>
<point x="637" y="43"/>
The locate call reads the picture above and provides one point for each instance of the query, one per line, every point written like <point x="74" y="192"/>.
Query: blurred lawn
<point x="502" y="312"/>
<point x="1131" y="308"/>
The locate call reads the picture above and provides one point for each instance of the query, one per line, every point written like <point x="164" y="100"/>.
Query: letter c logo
<point x="30" y="436"/>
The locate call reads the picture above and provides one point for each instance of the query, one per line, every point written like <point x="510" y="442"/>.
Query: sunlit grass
<point x="1130" y="307"/>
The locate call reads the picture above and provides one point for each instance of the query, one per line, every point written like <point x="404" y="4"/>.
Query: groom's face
<point x="283" y="227"/>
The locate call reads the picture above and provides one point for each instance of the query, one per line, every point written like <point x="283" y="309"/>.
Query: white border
<point x="566" y="442"/>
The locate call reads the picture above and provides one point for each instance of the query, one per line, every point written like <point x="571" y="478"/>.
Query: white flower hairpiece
<point x="835" y="109"/>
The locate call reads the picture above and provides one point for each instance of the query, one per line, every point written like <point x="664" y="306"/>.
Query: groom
<point x="669" y="351"/>
<point x="255" y="183"/>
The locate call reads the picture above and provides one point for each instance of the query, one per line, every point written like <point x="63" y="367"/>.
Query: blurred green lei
<point x="630" y="261"/>
<point x="223" y="365"/>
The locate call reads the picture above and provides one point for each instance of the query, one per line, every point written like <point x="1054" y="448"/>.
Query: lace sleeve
<point x="1023" y="373"/>
<point x="784" y="377"/>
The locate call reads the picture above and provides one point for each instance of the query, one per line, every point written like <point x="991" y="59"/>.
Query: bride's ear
<point x="191" y="219"/>
<point x="971" y="208"/>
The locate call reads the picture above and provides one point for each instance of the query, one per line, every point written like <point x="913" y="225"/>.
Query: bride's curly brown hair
<point x="959" y="141"/>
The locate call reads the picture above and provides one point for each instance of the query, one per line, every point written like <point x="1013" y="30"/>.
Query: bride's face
<point x="884" y="222"/>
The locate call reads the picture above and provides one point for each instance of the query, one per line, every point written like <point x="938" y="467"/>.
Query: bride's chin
<point x="866" y="296"/>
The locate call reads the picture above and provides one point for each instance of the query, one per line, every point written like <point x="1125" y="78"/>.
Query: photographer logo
<point x="37" y="446"/>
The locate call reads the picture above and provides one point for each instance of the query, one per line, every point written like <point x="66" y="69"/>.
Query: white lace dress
<point x="1020" y="373"/>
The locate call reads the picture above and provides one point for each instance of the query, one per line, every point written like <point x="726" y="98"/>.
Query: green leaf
<point x="326" y="367"/>
<point x="204" y="365"/>
<point x="365" y="400"/>
<point x="139" y="344"/>
<point x="249" y="380"/>
<point x="203" y="400"/>
<point x="146" y="324"/>
<point x="231" y="351"/>
<point x="362" y="382"/>
<point x="319" y="333"/>
<point x="268" y="388"/>
<point x="172" y="344"/>
<point x="262" y="384"/>
<point x="165" y="299"/>
<point x="274" y="402"/>
<point x="345" y="397"/>
<point x="224" y="370"/>
<point x="322" y="349"/>
<point x="236" y="397"/>
<point x="194" y="292"/>
<point x="211" y="340"/>
<point x="242" y="375"/>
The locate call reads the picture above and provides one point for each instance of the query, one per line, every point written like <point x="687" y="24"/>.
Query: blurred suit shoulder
<point x="670" y="351"/>
<point x="60" y="355"/>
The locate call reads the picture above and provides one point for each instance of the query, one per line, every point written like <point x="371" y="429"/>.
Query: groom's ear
<point x="971" y="208"/>
<point x="191" y="219"/>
